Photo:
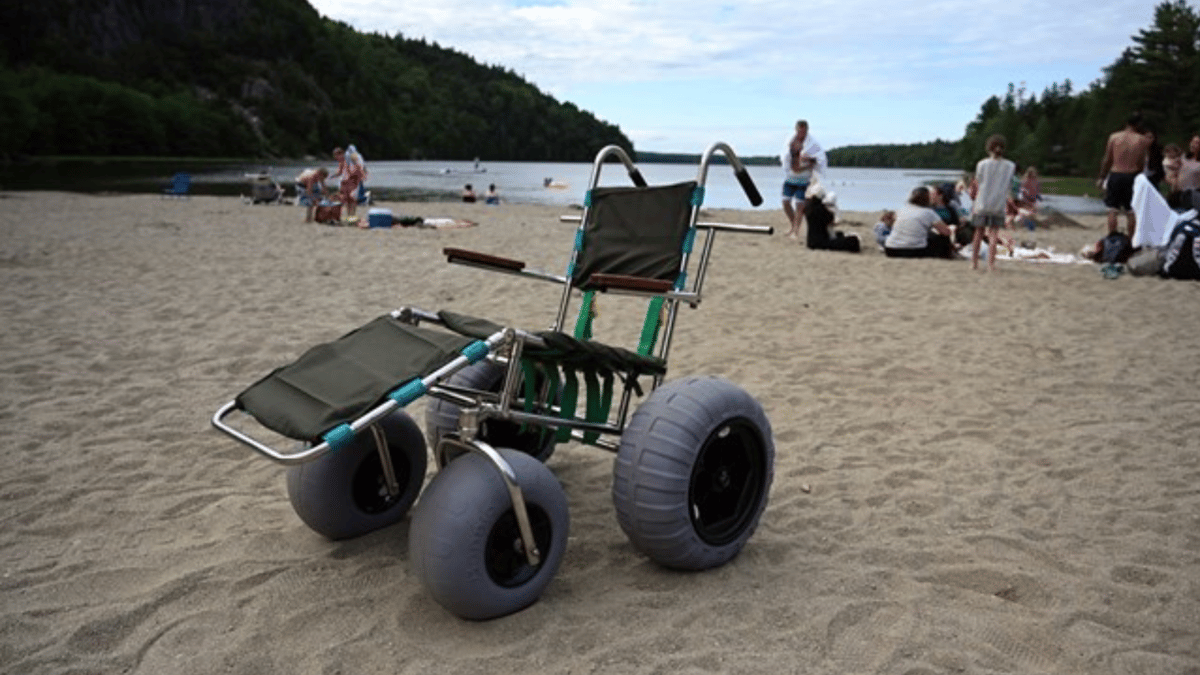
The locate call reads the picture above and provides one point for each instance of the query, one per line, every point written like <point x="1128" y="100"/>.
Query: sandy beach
<point x="975" y="473"/>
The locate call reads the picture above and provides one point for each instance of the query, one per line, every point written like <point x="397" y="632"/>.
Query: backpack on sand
<point x="1181" y="258"/>
<point x="1115" y="248"/>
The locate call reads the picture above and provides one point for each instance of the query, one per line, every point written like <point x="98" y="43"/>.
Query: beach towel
<point x="446" y="223"/>
<point x="1155" y="220"/>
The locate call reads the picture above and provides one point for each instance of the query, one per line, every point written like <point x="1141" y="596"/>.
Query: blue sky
<point x="676" y="75"/>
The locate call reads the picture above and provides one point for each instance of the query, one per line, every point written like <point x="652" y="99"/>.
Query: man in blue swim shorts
<point x="801" y="158"/>
<point x="1124" y="158"/>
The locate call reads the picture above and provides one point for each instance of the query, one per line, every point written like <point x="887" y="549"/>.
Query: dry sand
<point x="976" y="473"/>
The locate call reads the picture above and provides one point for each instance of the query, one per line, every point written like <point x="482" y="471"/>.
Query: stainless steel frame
<point x="505" y="347"/>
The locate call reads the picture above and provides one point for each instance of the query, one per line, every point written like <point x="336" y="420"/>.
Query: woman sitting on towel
<point x="919" y="232"/>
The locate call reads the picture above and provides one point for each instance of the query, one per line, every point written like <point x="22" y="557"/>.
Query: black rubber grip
<point x="743" y="177"/>
<point x="637" y="178"/>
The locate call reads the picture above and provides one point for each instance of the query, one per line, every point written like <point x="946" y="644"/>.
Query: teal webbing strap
<point x="570" y="398"/>
<point x="698" y="196"/>
<point x="583" y="324"/>
<point x="587" y="199"/>
<point x="650" y="327"/>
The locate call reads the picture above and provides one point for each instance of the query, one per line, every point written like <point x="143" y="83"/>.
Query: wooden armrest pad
<point x="606" y="281"/>
<point x="453" y="254"/>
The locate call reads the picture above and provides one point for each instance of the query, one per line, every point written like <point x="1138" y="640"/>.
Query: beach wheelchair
<point x="694" y="461"/>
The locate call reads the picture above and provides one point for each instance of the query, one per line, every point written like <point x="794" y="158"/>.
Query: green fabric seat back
<point x="336" y="382"/>
<point x="635" y="231"/>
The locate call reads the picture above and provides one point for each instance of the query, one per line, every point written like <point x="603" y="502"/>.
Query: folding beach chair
<point x="694" y="461"/>
<point x="263" y="189"/>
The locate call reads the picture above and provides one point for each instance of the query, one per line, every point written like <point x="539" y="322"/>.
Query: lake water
<point x="522" y="182"/>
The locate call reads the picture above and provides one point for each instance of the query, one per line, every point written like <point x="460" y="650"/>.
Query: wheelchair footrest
<point x="336" y="382"/>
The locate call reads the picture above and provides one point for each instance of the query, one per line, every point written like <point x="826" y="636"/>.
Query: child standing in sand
<point x="993" y="175"/>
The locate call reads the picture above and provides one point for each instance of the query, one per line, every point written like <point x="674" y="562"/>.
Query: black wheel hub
<point x="505" y="553"/>
<point x="370" y="488"/>
<point x="727" y="482"/>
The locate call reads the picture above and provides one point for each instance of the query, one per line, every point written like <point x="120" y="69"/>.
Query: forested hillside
<point x="261" y="78"/>
<point x="1063" y="132"/>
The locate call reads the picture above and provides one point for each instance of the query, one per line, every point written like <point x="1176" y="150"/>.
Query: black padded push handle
<point x="743" y="177"/>
<point x="636" y="176"/>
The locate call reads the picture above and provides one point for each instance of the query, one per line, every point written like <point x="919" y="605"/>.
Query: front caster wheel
<point x="465" y="545"/>
<point x="693" y="472"/>
<point x="344" y="494"/>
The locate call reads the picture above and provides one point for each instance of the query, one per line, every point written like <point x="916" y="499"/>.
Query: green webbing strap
<point x="650" y="327"/>
<point x="593" y="402"/>
<point x="570" y="398"/>
<point x="529" y="371"/>
<point x="583" y="324"/>
<point x="550" y="373"/>
<point x="599" y="402"/>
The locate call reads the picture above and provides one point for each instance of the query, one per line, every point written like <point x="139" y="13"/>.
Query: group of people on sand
<point x="1135" y="150"/>
<point x="937" y="222"/>
<point x="351" y="176"/>
<point x="926" y="226"/>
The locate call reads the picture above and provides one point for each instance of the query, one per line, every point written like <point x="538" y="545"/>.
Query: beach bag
<point x="328" y="213"/>
<point x="1146" y="262"/>
<point x="1181" y="259"/>
<point x="1115" y="248"/>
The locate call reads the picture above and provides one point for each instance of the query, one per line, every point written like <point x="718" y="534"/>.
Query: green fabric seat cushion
<point x="336" y="382"/>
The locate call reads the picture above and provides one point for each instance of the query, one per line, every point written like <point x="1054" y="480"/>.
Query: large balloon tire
<point x="343" y="494"/>
<point x="441" y="417"/>
<point x="693" y="473"/>
<point x="464" y="542"/>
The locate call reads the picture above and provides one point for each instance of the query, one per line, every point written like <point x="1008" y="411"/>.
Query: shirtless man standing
<point x="1124" y="159"/>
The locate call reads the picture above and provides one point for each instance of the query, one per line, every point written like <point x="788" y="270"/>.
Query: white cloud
<point x="780" y="55"/>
